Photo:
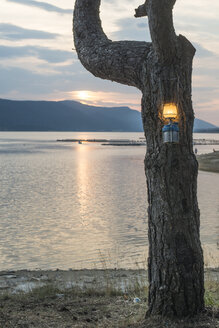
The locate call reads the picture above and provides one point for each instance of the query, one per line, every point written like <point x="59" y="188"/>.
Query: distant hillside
<point x="71" y="116"/>
<point x="65" y="116"/>
<point x="205" y="127"/>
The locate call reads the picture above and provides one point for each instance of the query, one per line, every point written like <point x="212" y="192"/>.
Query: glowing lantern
<point x="170" y="111"/>
<point x="171" y="130"/>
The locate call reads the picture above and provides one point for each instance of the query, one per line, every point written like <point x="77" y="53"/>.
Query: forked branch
<point x="162" y="31"/>
<point x="117" y="61"/>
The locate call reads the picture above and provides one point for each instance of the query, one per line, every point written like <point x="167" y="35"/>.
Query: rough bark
<point x="116" y="61"/>
<point x="175" y="256"/>
<point x="162" y="71"/>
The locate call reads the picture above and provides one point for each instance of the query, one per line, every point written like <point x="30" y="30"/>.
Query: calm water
<point x="74" y="206"/>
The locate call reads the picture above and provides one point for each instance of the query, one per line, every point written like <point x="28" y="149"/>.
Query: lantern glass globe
<point x="170" y="111"/>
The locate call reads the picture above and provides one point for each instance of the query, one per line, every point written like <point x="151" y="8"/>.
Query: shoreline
<point x="129" y="142"/>
<point x="121" y="280"/>
<point x="209" y="162"/>
<point x="24" y="280"/>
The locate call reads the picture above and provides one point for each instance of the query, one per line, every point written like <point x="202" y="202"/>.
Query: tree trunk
<point x="162" y="71"/>
<point x="175" y="260"/>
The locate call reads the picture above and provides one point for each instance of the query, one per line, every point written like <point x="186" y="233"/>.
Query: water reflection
<point x="82" y="205"/>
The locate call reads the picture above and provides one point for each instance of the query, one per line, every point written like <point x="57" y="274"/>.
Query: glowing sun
<point x="84" y="95"/>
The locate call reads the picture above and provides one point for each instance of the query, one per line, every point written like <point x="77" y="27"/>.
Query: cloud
<point x="101" y="98"/>
<point x="13" y="32"/>
<point x="49" y="55"/>
<point x="43" y="5"/>
<point x="198" y="26"/>
<point x="132" y="29"/>
<point x="27" y="84"/>
<point x="17" y="83"/>
<point x="202" y="52"/>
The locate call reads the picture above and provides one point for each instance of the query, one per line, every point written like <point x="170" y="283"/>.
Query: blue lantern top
<point x="171" y="127"/>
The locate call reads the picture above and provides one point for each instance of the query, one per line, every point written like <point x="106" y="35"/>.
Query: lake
<point x="70" y="205"/>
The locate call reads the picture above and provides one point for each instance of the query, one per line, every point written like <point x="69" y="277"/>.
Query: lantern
<point x="171" y="130"/>
<point x="170" y="111"/>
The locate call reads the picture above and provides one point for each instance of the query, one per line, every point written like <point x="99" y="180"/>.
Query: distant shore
<point x="129" y="142"/>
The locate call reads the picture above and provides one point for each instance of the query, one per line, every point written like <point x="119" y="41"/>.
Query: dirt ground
<point x="88" y="299"/>
<point x="66" y="311"/>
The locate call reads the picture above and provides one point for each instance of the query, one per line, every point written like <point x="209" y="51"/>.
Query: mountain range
<point x="74" y="116"/>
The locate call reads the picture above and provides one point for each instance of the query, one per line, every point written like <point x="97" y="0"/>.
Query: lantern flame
<point x="170" y="111"/>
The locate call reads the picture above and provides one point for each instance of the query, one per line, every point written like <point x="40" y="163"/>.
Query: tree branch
<point x="141" y="11"/>
<point x="162" y="32"/>
<point x="117" y="61"/>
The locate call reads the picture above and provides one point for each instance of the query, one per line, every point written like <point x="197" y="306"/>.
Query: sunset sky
<point x="37" y="60"/>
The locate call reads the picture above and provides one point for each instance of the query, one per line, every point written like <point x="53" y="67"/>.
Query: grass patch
<point x="43" y="292"/>
<point x="212" y="293"/>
